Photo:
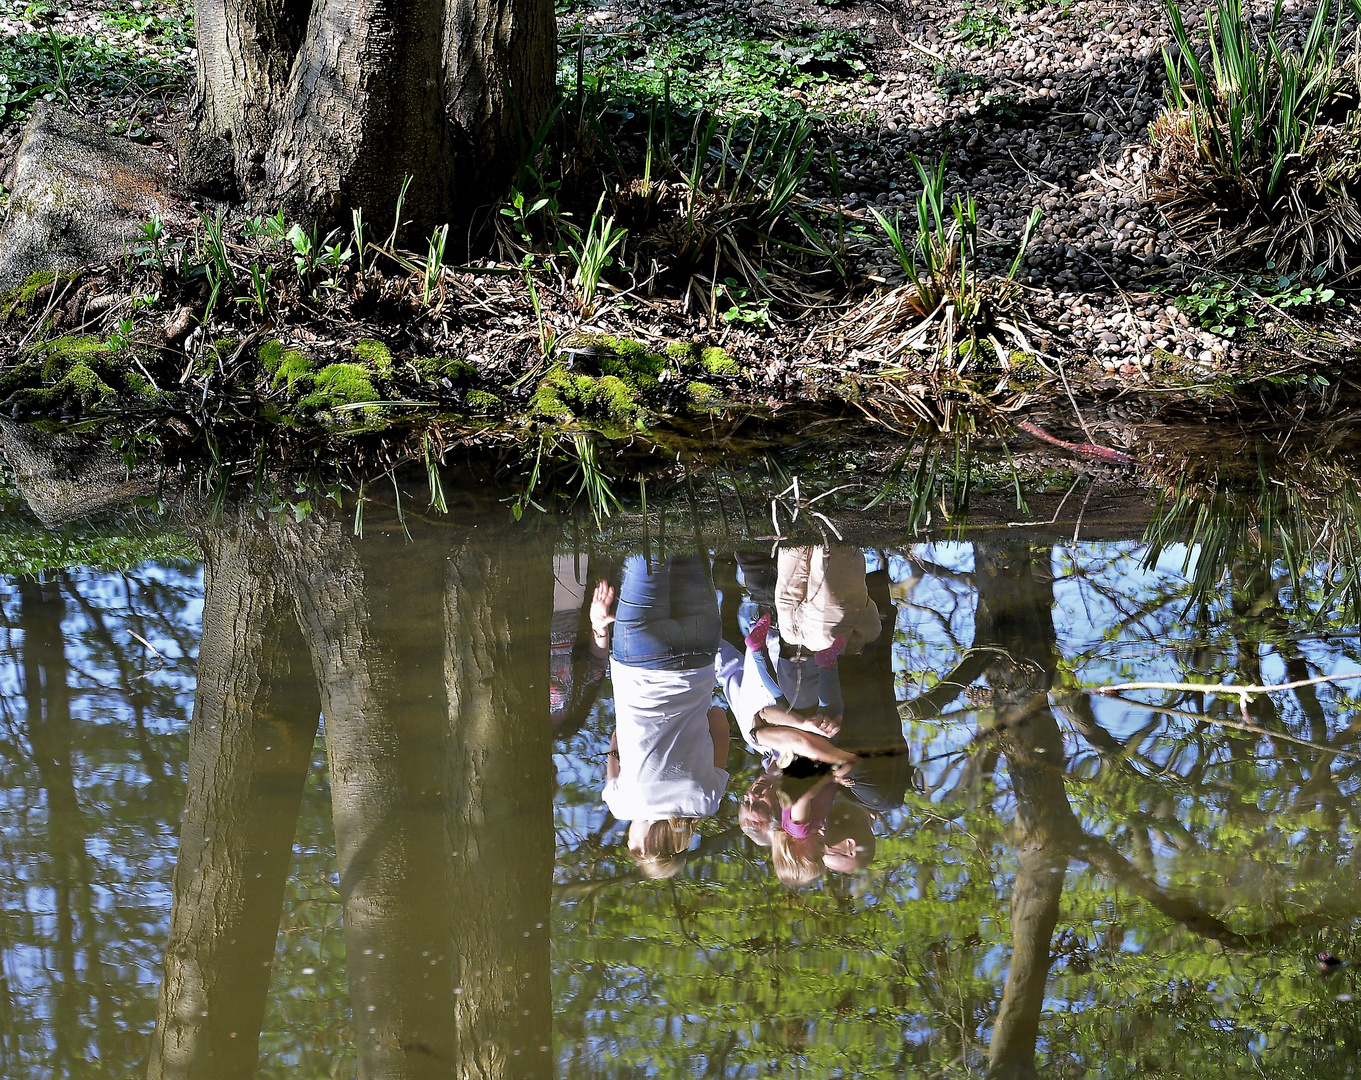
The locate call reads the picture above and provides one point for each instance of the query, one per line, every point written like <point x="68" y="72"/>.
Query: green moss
<point x="718" y="361"/>
<point x="285" y="366"/>
<point x="217" y="354"/>
<point x="459" y="372"/>
<point x="479" y="401"/>
<point x="373" y="354"/>
<point x="83" y="383"/>
<point x="59" y="355"/>
<point x="292" y="367"/>
<point x="566" y="395"/>
<point x="271" y="353"/>
<point x="339" y="384"/>
<point x="15" y="302"/>
<point x="713" y="360"/>
<point x="703" y="395"/>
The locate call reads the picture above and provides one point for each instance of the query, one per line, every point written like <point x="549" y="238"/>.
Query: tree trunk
<point x="47" y="700"/>
<point x="245" y="51"/>
<point x="332" y="112"/>
<point x="498" y="607"/>
<point x="364" y="109"/>
<point x="250" y="743"/>
<point x="1015" y="614"/>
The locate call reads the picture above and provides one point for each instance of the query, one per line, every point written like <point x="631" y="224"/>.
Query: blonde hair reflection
<point x="659" y="847"/>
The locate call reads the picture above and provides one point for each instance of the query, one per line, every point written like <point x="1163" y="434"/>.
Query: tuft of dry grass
<point x="1257" y="154"/>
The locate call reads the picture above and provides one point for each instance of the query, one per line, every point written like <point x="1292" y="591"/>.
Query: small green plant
<point x="304" y="251"/>
<point x="259" y="288"/>
<point x="357" y="232"/>
<point x="1219" y="307"/>
<point x="952" y="82"/>
<point x="592" y="254"/>
<point x="742" y="308"/>
<point x="946" y="287"/>
<point x="522" y="210"/>
<point x="1256" y="151"/>
<point x="980" y="27"/>
<point x="434" y="262"/>
<point x="1223" y="307"/>
<point x="151" y="234"/>
<point x="218" y="265"/>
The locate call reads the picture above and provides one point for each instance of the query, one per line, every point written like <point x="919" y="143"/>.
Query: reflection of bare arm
<point x="612" y="760"/>
<point x="718" y="731"/>
<point x="804" y="743"/>
<point x="803" y="810"/>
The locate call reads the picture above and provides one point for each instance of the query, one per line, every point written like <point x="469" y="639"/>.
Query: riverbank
<point x="222" y="328"/>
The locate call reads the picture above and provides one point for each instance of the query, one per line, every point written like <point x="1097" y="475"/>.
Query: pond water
<point x="1003" y="873"/>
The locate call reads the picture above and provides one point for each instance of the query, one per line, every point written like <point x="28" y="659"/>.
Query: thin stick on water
<point x="1244" y="693"/>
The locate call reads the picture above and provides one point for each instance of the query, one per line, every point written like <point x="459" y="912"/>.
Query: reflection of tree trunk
<point x="434" y="681"/>
<point x="250" y="742"/>
<point x="497" y="612"/>
<point x="48" y="718"/>
<point x="1015" y="601"/>
<point x="371" y="611"/>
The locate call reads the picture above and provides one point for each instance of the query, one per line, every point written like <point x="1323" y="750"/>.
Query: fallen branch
<point x="1090" y="451"/>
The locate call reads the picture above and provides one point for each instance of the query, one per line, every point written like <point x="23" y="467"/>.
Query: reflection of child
<point x="807" y="833"/>
<point x="769" y="726"/>
<point x="823" y="608"/>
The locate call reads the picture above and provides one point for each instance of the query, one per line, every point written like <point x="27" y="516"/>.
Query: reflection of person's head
<point x="849" y="838"/>
<point x="797" y="860"/>
<point x="659" y="847"/>
<point x="758" y="815"/>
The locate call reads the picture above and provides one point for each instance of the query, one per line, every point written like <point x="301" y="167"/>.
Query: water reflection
<point x="892" y="832"/>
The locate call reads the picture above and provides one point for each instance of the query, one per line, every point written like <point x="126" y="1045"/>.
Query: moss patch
<point x="433" y="368"/>
<point x="340" y="384"/>
<point x="15" y="303"/>
<point x="76" y="374"/>
<point x="708" y="358"/>
<point x="373" y="354"/>
<point x="481" y="402"/>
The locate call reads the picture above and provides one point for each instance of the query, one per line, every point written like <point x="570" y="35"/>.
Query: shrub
<point x="1255" y="154"/>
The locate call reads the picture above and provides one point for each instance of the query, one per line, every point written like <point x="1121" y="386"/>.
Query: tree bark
<point x="245" y="51"/>
<point x="500" y="79"/>
<point x="250" y="743"/>
<point x="498" y="607"/>
<point x="1015" y="614"/>
<point x="363" y="109"/>
<point x="330" y="106"/>
<point x="435" y="693"/>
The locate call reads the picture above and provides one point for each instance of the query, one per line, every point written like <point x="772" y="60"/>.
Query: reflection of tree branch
<point x="1236" y="725"/>
<point x="927" y="568"/>
<point x="971" y="665"/>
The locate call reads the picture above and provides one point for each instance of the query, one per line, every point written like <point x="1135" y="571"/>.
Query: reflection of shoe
<point x="756" y="640"/>
<point x="827" y="658"/>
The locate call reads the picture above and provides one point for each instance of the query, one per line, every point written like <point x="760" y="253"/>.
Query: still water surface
<point x="202" y="879"/>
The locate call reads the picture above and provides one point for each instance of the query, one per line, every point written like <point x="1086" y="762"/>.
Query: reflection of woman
<point x="667" y="756"/>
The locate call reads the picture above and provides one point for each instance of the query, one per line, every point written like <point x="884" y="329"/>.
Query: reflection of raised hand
<point x="602" y="617"/>
<point x="818" y="724"/>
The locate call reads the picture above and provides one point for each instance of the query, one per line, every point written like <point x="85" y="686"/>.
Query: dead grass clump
<point x="1258" y="151"/>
